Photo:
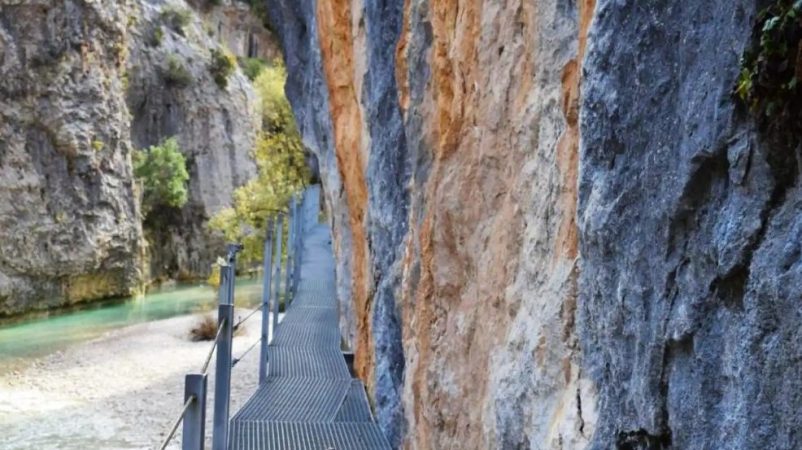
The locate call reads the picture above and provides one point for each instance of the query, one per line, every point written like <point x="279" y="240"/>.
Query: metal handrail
<point x="205" y="367"/>
<point x="171" y="434"/>
<point x="237" y="325"/>
<point x="195" y="384"/>
<point x="236" y="360"/>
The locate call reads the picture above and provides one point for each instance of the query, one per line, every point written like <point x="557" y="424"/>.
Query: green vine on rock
<point x="771" y="69"/>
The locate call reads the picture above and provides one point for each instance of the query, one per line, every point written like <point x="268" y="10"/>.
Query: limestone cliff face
<point x="489" y="277"/>
<point x="69" y="222"/>
<point x="690" y="229"/>
<point x="235" y="24"/>
<point x="84" y="83"/>
<point x="453" y="132"/>
<point x="216" y="128"/>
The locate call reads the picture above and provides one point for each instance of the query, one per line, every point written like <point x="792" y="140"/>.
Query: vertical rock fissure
<point x="387" y="175"/>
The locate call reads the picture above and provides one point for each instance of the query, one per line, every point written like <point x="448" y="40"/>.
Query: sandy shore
<point x="120" y="391"/>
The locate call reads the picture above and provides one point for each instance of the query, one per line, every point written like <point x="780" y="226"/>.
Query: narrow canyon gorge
<point x="556" y="224"/>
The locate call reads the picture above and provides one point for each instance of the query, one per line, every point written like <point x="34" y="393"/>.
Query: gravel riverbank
<point x="120" y="391"/>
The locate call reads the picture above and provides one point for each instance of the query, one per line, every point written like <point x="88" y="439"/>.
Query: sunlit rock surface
<point x="453" y="141"/>
<point x="69" y="221"/>
<point x="83" y="86"/>
<point x="216" y="128"/>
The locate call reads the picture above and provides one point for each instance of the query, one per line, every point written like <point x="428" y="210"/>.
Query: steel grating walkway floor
<point x="309" y="400"/>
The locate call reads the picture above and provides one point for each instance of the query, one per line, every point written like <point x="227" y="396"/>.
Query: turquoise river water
<point x="46" y="333"/>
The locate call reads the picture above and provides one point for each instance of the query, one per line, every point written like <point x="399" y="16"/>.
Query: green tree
<point x="282" y="170"/>
<point x="163" y="172"/>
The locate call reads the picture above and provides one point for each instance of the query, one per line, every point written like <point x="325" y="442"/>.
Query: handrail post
<point x="277" y="262"/>
<point x="301" y="215"/>
<point x="225" y="316"/>
<point x="288" y="288"/>
<point x="299" y="220"/>
<point x="195" y="417"/>
<point x="268" y="256"/>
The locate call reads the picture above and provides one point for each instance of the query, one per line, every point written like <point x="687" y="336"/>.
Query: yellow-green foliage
<point x="282" y="170"/>
<point x="252" y="67"/>
<point x="276" y="112"/>
<point x="157" y="37"/>
<point x="221" y="66"/>
<point x="214" y="277"/>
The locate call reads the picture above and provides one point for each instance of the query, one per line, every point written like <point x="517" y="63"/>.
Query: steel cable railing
<point x="193" y="413"/>
<point x="192" y="398"/>
<point x="236" y="360"/>
<point x="177" y="422"/>
<point x="237" y="325"/>
<point x="205" y="367"/>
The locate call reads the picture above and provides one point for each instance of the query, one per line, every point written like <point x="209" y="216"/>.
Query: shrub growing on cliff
<point x="221" y="66"/>
<point x="771" y="69"/>
<point x="252" y="67"/>
<point x="157" y="36"/>
<point x="163" y="172"/>
<point x="176" y="18"/>
<point x="175" y="73"/>
<point x="282" y="170"/>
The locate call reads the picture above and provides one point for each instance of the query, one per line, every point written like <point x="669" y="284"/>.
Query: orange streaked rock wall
<point x="339" y="56"/>
<point x="492" y="358"/>
<point x="515" y="237"/>
<point x="482" y="281"/>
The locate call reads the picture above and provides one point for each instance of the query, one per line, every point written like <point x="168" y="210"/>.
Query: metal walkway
<point x="309" y="400"/>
